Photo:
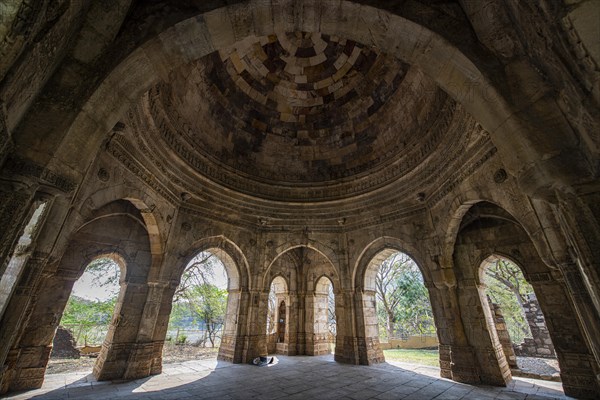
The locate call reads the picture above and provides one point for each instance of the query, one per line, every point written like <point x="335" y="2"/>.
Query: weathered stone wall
<point x="80" y="125"/>
<point x="63" y="344"/>
<point x="540" y="345"/>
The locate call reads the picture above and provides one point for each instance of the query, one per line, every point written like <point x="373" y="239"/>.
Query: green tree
<point x="507" y="287"/>
<point x="87" y="316"/>
<point x="414" y="314"/>
<point x="402" y="299"/>
<point x="207" y="304"/>
<point x="197" y="301"/>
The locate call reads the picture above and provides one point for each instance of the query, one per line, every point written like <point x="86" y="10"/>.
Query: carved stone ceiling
<point x="300" y="117"/>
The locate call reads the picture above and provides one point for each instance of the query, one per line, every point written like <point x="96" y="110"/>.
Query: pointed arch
<point x="232" y="256"/>
<point x="376" y="252"/>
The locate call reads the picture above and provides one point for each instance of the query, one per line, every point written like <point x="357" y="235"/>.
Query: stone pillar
<point x="503" y="335"/>
<point x="16" y="316"/>
<point x="580" y="372"/>
<point x="579" y="217"/>
<point x="234" y="345"/>
<point x="27" y="360"/>
<point x="255" y="337"/>
<point x="346" y="343"/>
<point x="161" y="326"/>
<point x="369" y="348"/>
<point x="481" y="335"/>
<point x="457" y="357"/>
<point x="289" y="344"/>
<point x="143" y="356"/>
<point x="6" y="144"/>
<point x="227" y="349"/>
<point x="120" y="346"/>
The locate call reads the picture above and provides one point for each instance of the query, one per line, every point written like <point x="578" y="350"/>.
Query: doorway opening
<point x="86" y="319"/>
<point x="518" y="318"/>
<point x="199" y="311"/>
<point x="405" y="324"/>
<point x="325" y="327"/>
<point x="278" y="317"/>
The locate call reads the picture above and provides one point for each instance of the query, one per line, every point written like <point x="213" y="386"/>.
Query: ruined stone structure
<point x="540" y="345"/>
<point x="300" y="139"/>
<point x="64" y="345"/>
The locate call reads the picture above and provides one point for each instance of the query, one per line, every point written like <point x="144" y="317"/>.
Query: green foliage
<point x="89" y="319"/>
<point x="507" y="287"/>
<point x="88" y="312"/>
<point x="414" y="356"/>
<point x="403" y="306"/>
<point x="197" y="302"/>
<point x="181" y="339"/>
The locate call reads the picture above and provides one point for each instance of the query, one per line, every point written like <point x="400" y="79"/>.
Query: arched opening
<point x="87" y="316"/>
<point x="12" y="273"/>
<point x="487" y="229"/>
<point x="324" y="325"/>
<point x="517" y="317"/>
<point x="305" y="280"/>
<point x="397" y="310"/>
<point x="199" y="310"/>
<point x="277" y="318"/>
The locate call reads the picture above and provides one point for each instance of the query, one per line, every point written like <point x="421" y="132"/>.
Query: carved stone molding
<point x="28" y="168"/>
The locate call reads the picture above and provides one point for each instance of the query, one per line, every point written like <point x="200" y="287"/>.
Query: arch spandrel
<point x="327" y="253"/>
<point x="525" y="216"/>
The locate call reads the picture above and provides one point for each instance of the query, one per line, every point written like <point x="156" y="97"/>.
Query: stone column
<point x="29" y="357"/>
<point x="145" y="350"/>
<point x="290" y="345"/>
<point x="120" y="346"/>
<point x="581" y="376"/>
<point x="234" y="345"/>
<point x="161" y="326"/>
<point x="457" y="357"/>
<point x="346" y="343"/>
<point x="317" y="342"/>
<point x="255" y="336"/>
<point x="229" y="337"/>
<point x="481" y="335"/>
<point x="16" y="316"/>
<point x="369" y="348"/>
<point x="6" y="144"/>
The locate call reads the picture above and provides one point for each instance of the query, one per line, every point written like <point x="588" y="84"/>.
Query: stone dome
<point x="299" y="110"/>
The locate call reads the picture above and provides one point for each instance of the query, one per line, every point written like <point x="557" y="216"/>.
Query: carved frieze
<point x="28" y="168"/>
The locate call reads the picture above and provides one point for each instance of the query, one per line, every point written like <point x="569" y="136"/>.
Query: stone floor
<point x="291" y="378"/>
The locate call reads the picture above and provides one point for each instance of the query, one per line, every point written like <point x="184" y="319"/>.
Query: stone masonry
<point x="300" y="140"/>
<point x="540" y="345"/>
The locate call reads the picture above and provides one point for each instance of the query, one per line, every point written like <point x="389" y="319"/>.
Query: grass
<point x="413" y="356"/>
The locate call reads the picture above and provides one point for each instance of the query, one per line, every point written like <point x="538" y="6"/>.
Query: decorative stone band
<point x="28" y="168"/>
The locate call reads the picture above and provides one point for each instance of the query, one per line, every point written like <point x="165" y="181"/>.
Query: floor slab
<point x="299" y="377"/>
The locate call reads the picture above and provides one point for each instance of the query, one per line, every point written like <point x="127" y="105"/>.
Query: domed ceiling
<point x="299" y="116"/>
